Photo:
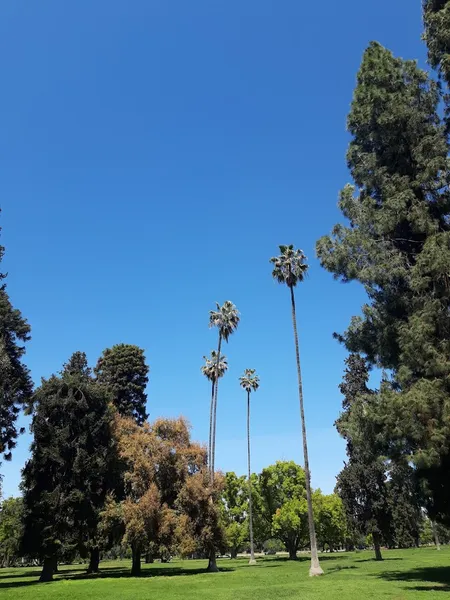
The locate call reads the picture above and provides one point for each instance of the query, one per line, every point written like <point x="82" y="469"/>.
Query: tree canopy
<point x="15" y="381"/>
<point x="123" y="371"/>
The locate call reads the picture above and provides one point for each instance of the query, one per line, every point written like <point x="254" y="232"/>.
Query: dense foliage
<point x="123" y="371"/>
<point x="11" y="531"/>
<point x="72" y="464"/>
<point x="397" y="244"/>
<point x="15" y="380"/>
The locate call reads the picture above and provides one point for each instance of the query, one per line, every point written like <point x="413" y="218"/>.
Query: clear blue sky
<point x="153" y="156"/>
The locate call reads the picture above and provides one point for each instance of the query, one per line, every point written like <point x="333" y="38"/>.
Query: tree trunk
<point x="136" y="562"/>
<point x="435" y="535"/>
<point x="149" y="558"/>
<point x="211" y="413"/>
<point x="233" y="552"/>
<point x="292" y="553"/>
<point x="55" y="565"/>
<point x="252" y="560"/>
<point x="213" y="441"/>
<point x="212" y="564"/>
<point x="376" y="545"/>
<point x="315" y="568"/>
<point x="94" y="560"/>
<point x="47" y="570"/>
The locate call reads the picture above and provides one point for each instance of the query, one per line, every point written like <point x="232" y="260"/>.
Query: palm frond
<point x="249" y="380"/>
<point x="225" y="318"/>
<point x="210" y="366"/>
<point x="290" y="266"/>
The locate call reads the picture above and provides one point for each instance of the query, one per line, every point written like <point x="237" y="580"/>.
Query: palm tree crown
<point x="290" y="267"/>
<point x="249" y="381"/>
<point x="211" y="367"/>
<point x="225" y="318"/>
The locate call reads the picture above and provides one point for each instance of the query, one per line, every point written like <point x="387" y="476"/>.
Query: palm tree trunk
<point x="315" y="568"/>
<point x="252" y="560"/>
<point x="211" y="410"/>
<point x="213" y="442"/>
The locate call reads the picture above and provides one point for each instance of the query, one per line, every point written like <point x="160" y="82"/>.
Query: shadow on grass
<point x="107" y="573"/>
<point x="339" y="568"/>
<point x="302" y="558"/>
<point x="362" y="560"/>
<point x="440" y="576"/>
<point x="37" y="572"/>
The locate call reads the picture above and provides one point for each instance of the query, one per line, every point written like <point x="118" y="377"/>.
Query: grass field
<point x="402" y="575"/>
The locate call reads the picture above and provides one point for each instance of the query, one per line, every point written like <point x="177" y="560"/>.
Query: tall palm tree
<point x="250" y="382"/>
<point x="226" y="319"/>
<point x="209" y="370"/>
<point x="290" y="268"/>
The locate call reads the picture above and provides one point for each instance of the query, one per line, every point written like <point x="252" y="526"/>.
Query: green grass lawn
<point x="402" y="575"/>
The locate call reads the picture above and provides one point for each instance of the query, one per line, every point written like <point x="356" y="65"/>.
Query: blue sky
<point x="153" y="156"/>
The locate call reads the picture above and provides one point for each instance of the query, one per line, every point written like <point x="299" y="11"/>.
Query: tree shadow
<point x="339" y="568"/>
<point x="303" y="558"/>
<point x="434" y="575"/>
<point x="107" y="573"/>
<point x="37" y="571"/>
<point x="19" y="584"/>
<point x="362" y="560"/>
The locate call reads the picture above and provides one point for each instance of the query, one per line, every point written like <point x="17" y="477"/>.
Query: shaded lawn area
<point x="404" y="574"/>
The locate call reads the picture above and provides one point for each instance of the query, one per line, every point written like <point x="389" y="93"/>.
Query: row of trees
<point x="166" y="511"/>
<point x="75" y="457"/>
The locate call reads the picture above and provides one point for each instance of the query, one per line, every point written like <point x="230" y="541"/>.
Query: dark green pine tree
<point x="362" y="484"/>
<point x="397" y="244"/>
<point x="405" y="500"/>
<point x="123" y="371"/>
<point x="73" y="466"/>
<point x="15" y="381"/>
<point x="436" y="17"/>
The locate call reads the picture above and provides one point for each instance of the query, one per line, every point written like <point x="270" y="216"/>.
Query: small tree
<point x="331" y="525"/>
<point x="362" y="484"/>
<point x="11" y="531"/>
<point x="290" y="269"/>
<point x="235" y="512"/>
<point x="249" y="382"/>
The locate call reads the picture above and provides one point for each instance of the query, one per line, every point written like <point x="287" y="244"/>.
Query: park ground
<point x="402" y="575"/>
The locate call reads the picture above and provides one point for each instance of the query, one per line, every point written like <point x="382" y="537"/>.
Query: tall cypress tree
<point x="123" y="371"/>
<point x="72" y="465"/>
<point x="362" y="484"/>
<point x="15" y="381"/>
<point x="397" y="245"/>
